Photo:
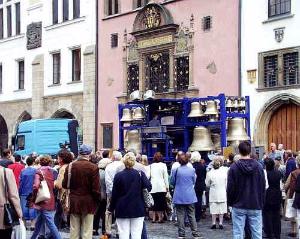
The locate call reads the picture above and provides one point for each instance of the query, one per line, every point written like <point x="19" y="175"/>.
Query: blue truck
<point x="46" y="136"/>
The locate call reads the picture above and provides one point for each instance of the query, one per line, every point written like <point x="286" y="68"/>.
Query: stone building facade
<point x="47" y="64"/>
<point x="175" y="47"/>
<point x="270" y="70"/>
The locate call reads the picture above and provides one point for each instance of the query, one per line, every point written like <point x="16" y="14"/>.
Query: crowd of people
<point x="104" y="189"/>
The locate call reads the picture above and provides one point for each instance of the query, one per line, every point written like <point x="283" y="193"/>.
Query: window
<point x="20" y="142"/>
<point x="182" y="73"/>
<point x="140" y="3"/>
<point x="8" y="12"/>
<point x="56" y="68"/>
<point x="279" y="7"/>
<point x="291" y="68"/>
<point x="76" y="64"/>
<point x="206" y="23"/>
<point x="54" y="11"/>
<point x="1" y="23"/>
<point x="114" y="40"/>
<point x="65" y="10"/>
<point x="18" y="19"/>
<point x="132" y="77"/>
<point x="107" y="136"/>
<point x="0" y="78"/>
<point x="76" y="9"/>
<point x="112" y="7"/>
<point x="21" y="75"/>
<point x="271" y="71"/>
<point x="279" y="68"/>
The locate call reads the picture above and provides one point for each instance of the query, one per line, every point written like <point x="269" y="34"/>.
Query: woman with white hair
<point x="127" y="199"/>
<point x="216" y="180"/>
<point x="200" y="182"/>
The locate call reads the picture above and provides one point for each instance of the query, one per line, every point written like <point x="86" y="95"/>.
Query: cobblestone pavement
<point x="168" y="230"/>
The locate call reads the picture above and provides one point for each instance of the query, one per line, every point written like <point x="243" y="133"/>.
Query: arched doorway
<point x="62" y="113"/>
<point x="3" y="134"/>
<point x="284" y="126"/>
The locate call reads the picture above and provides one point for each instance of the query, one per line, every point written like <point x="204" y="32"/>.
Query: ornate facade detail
<point x="34" y="35"/>
<point x="152" y="18"/>
<point x="132" y="51"/>
<point x="182" y="40"/>
<point x="279" y="34"/>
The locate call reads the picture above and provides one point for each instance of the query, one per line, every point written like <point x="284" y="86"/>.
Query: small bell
<point x="138" y="114"/>
<point x="126" y="117"/>
<point x="241" y="103"/>
<point x="196" y="110"/>
<point x="211" y="108"/>
<point x="229" y="103"/>
<point x="216" y="138"/>
<point x="201" y="140"/>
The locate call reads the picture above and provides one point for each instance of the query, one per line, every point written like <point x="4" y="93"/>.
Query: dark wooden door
<point x="284" y="127"/>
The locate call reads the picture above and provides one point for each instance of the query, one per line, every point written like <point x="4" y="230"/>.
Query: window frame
<point x="280" y="66"/>
<point x="1" y="23"/>
<point x="8" y="21"/>
<point x="76" y="77"/>
<point x="18" y="18"/>
<point x="1" y="77"/>
<point x="56" y="76"/>
<point x="112" y="7"/>
<point x="280" y="3"/>
<point x="111" y="126"/>
<point x="76" y="9"/>
<point x="55" y="12"/>
<point x="21" y="75"/>
<point x="65" y="10"/>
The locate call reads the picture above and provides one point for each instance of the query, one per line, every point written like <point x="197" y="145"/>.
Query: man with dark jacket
<point x="245" y="193"/>
<point x="84" y="194"/>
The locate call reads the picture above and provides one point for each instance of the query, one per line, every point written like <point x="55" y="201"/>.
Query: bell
<point x="211" y="108"/>
<point x="236" y="130"/>
<point x="134" y="142"/>
<point x="149" y="95"/>
<point x="196" y="110"/>
<point x="126" y="117"/>
<point x="213" y="118"/>
<point x="138" y="114"/>
<point x="241" y="103"/>
<point x="201" y="140"/>
<point x="135" y="95"/>
<point x="235" y="103"/>
<point x="216" y="138"/>
<point x="229" y="103"/>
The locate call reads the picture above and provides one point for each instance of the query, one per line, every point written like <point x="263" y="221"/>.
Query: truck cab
<point x="46" y="136"/>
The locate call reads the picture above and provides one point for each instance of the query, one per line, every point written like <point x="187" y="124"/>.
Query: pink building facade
<point x="177" y="48"/>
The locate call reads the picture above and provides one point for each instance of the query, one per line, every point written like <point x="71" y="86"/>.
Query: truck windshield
<point x="20" y="142"/>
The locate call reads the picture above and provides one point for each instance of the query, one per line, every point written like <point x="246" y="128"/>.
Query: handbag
<point x="290" y="212"/>
<point x="43" y="193"/>
<point x="65" y="197"/>
<point x="11" y="217"/>
<point x="169" y="209"/>
<point x="148" y="199"/>
<point x="19" y="231"/>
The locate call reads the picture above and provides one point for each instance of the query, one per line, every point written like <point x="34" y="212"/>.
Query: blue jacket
<point x="184" y="179"/>
<point x="246" y="185"/>
<point x="127" y="198"/>
<point x="290" y="167"/>
<point x="26" y="181"/>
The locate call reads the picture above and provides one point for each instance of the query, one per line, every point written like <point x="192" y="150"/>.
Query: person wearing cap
<point x="84" y="194"/>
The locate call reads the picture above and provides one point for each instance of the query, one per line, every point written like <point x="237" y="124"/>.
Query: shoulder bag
<point x="148" y="199"/>
<point x="65" y="197"/>
<point x="43" y="193"/>
<point x="11" y="217"/>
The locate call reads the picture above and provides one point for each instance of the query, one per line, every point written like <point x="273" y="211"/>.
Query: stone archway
<point x="63" y="114"/>
<point x="261" y="125"/>
<point x="3" y="134"/>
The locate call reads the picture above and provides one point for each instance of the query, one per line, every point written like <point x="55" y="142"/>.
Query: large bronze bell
<point x="134" y="141"/>
<point x="126" y="117"/>
<point x="216" y="139"/>
<point x="201" y="140"/>
<point x="196" y="110"/>
<point x="211" y="108"/>
<point x="138" y="114"/>
<point x="236" y="130"/>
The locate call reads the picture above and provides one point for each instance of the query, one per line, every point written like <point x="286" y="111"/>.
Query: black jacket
<point x="246" y="185"/>
<point x="127" y="197"/>
<point x="273" y="193"/>
<point x="201" y="175"/>
<point x="5" y="162"/>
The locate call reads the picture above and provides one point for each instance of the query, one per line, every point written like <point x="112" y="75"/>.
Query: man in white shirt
<point x="111" y="170"/>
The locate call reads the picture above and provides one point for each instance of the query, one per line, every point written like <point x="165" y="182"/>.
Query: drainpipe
<point x="96" y="81"/>
<point x="240" y="48"/>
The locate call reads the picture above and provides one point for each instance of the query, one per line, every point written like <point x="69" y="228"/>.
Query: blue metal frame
<point x="185" y="123"/>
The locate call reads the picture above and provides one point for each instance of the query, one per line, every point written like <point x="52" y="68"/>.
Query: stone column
<point x="88" y="111"/>
<point x="38" y="87"/>
<point x="171" y="70"/>
<point x="142" y="78"/>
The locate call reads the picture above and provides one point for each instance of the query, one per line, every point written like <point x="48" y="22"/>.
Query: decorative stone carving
<point x="34" y="35"/>
<point x="132" y="53"/>
<point x="279" y="34"/>
<point x="182" y="40"/>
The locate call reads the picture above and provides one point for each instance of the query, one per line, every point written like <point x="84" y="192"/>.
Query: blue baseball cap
<point x="85" y="149"/>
